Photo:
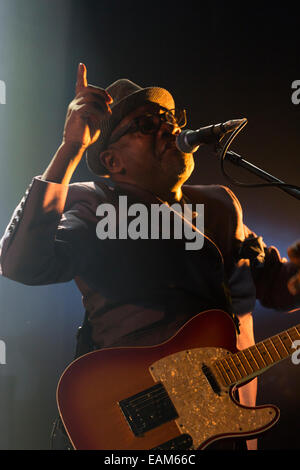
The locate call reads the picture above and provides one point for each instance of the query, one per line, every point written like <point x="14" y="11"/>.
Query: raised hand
<point x="85" y="112"/>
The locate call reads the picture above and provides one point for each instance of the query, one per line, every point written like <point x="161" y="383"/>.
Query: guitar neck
<point x="248" y="363"/>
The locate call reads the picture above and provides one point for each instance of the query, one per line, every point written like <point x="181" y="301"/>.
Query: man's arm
<point x="38" y="247"/>
<point x="272" y="274"/>
<point x="81" y="130"/>
<point x="273" y="281"/>
<point x="49" y="238"/>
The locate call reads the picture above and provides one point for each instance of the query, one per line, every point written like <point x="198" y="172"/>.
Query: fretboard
<point x="243" y="365"/>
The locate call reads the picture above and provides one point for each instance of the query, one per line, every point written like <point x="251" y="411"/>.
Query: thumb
<point x="81" y="78"/>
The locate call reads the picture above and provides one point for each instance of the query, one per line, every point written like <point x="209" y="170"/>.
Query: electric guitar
<point x="175" y="395"/>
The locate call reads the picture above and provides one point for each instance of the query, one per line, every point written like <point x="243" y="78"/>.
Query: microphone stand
<point x="239" y="161"/>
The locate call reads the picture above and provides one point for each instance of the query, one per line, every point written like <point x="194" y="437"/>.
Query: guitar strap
<point x="225" y="285"/>
<point x="229" y="308"/>
<point x="84" y="342"/>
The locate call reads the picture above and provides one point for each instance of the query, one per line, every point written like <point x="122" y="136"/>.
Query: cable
<point x="233" y="180"/>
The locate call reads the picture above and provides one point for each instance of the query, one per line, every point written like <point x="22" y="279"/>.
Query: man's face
<point x="151" y="160"/>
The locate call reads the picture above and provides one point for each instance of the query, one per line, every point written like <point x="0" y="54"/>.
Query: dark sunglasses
<point x="150" y="123"/>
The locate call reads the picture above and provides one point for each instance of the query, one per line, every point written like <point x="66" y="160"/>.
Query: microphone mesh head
<point x="182" y="142"/>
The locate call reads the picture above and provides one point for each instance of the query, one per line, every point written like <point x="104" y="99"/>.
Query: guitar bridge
<point x="148" y="409"/>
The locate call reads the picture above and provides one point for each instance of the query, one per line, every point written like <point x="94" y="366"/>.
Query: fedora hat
<point x="127" y="96"/>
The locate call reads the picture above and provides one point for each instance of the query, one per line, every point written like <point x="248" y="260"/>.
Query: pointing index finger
<point x="81" y="78"/>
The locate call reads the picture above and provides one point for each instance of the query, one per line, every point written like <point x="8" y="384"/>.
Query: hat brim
<point x="119" y="111"/>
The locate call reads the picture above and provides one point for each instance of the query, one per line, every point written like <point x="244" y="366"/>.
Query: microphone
<point x="189" y="141"/>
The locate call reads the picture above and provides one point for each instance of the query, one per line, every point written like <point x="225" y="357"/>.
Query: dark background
<point x="220" y="61"/>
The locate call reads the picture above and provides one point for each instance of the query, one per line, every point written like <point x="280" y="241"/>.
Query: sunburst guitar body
<point x="176" y="395"/>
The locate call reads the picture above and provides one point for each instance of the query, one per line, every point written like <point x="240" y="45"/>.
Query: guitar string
<point x="155" y="395"/>
<point x="146" y="397"/>
<point x="272" y="340"/>
<point x="160" y="390"/>
<point x="161" y="394"/>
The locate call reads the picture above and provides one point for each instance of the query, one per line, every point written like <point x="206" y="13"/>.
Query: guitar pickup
<point x="148" y="409"/>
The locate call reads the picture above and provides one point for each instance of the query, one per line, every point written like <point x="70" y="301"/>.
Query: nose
<point x="170" y="128"/>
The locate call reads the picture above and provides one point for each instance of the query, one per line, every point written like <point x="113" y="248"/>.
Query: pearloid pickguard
<point x="202" y="413"/>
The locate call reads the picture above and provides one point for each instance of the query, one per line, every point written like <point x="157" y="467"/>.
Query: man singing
<point x="139" y="292"/>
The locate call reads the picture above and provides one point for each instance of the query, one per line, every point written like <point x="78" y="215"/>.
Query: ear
<point x="111" y="161"/>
